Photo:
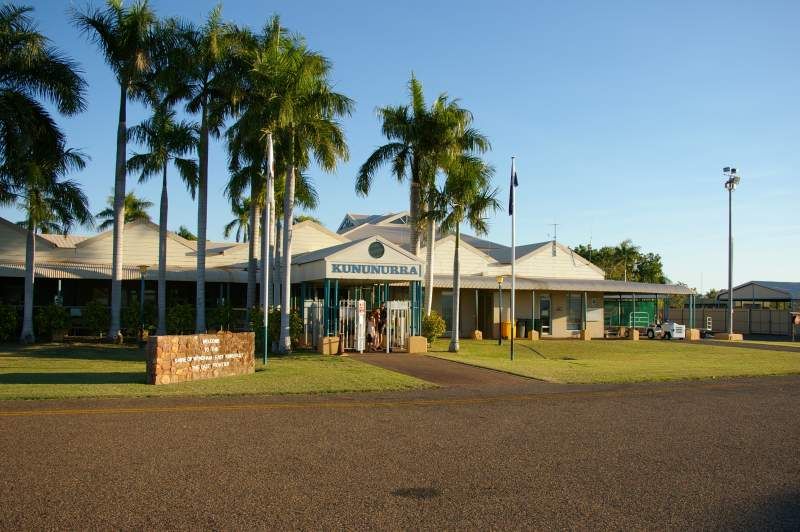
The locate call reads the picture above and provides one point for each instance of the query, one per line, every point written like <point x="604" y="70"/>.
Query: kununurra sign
<point x="191" y="357"/>
<point x="404" y="270"/>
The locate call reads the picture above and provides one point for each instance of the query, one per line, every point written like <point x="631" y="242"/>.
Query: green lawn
<point x="598" y="361"/>
<point x="56" y="372"/>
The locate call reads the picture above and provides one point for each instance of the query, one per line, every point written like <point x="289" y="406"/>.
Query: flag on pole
<point x="514" y="184"/>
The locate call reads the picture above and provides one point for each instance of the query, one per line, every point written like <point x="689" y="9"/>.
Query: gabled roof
<point x="791" y="289"/>
<point x="24" y="232"/>
<point x="191" y="244"/>
<point x="464" y="245"/>
<point x="64" y="241"/>
<point x="319" y="254"/>
<point x="502" y="254"/>
<point x="359" y="220"/>
<point x="321" y="228"/>
<point x="397" y="234"/>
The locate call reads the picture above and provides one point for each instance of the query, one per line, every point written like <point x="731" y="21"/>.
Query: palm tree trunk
<point x="268" y="225"/>
<point x="202" y="220"/>
<point x="252" y="242"/>
<point x="429" y="265"/>
<point x="119" y="214"/>
<point x="27" y="337"/>
<point x="455" y="327"/>
<point x="414" y="208"/>
<point x="264" y="253"/>
<point x="276" y="266"/>
<point x="162" y="258"/>
<point x="285" y="344"/>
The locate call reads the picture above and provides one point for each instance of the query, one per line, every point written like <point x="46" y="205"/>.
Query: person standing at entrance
<point x="371" y="331"/>
<point x="382" y="324"/>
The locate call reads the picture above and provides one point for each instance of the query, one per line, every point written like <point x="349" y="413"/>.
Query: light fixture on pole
<point x="500" y="323"/>
<point x="731" y="183"/>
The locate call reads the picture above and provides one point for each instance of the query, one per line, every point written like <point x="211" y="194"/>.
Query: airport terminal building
<point x="559" y="293"/>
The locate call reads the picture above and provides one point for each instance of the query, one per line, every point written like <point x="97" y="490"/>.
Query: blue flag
<point x="514" y="184"/>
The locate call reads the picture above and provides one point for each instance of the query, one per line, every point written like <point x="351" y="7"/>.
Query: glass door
<point x="544" y="314"/>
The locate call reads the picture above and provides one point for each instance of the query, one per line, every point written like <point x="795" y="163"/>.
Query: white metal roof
<point x="577" y="285"/>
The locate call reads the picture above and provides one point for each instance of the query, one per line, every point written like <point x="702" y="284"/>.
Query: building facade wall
<point x="488" y="320"/>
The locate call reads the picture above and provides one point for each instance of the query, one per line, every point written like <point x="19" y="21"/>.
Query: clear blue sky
<point x="621" y="114"/>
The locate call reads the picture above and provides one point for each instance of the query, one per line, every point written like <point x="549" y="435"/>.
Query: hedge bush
<point x="8" y="322"/>
<point x="96" y="317"/>
<point x="433" y="326"/>
<point x="50" y="319"/>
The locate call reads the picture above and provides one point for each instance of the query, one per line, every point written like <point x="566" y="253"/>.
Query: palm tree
<point x="307" y="111"/>
<point x="253" y="131"/>
<point x="423" y="141"/>
<point x="626" y="254"/>
<point x="210" y="89"/>
<point x="241" y="220"/>
<point x="184" y="232"/>
<point x="465" y="197"/>
<point x="31" y="71"/>
<point x="168" y="140"/>
<point x="125" y="36"/>
<point x="306" y="218"/>
<point x="404" y="127"/>
<point x="45" y="197"/>
<point x="134" y="209"/>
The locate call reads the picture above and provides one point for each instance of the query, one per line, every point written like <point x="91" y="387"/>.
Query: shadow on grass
<point x="82" y="352"/>
<point x="74" y="378"/>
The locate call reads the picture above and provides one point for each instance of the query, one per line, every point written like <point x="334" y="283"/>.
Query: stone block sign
<point x="192" y="357"/>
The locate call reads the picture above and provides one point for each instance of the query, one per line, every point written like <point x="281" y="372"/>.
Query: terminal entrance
<point x="343" y="309"/>
<point x="342" y="286"/>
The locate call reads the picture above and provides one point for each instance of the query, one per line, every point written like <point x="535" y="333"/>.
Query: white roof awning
<point x="574" y="285"/>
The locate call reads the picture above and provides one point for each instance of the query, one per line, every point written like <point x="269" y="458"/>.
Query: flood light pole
<point x="730" y="185"/>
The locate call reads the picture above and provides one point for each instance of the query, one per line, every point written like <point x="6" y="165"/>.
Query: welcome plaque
<point x="183" y="358"/>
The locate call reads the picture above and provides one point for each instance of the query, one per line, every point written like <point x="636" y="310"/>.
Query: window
<point x="574" y="311"/>
<point x="447" y="309"/>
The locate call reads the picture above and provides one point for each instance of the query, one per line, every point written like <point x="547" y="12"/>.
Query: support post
<point x="477" y="311"/>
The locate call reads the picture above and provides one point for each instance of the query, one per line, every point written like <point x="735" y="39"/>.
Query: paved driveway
<point x="529" y="455"/>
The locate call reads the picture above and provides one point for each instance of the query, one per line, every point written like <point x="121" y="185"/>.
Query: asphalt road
<point x="692" y="455"/>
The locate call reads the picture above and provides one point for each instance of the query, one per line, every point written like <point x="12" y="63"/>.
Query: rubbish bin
<point x="521" y="328"/>
<point x="505" y="330"/>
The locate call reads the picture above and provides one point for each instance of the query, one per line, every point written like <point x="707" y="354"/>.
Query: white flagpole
<point x="513" y="257"/>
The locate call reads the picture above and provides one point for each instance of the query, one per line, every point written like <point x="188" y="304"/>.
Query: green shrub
<point x="221" y="317"/>
<point x="180" y="319"/>
<point x="8" y="322"/>
<point x="51" y="319"/>
<point x="96" y="317"/>
<point x="433" y="326"/>
<point x="131" y="319"/>
<point x="274" y="325"/>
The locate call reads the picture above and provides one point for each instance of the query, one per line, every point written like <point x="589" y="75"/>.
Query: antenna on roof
<point x="555" y="236"/>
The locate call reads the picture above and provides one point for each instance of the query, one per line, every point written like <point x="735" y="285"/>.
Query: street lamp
<point x="730" y="185"/>
<point x="500" y="323"/>
<point x="142" y="273"/>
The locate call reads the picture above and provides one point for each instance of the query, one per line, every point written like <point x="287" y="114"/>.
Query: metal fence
<point x="398" y="325"/>
<point x="745" y="321"/>
<point x="313" y="322"/>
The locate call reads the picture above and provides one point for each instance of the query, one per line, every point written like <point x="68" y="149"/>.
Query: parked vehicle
<point x="666" y="331"/>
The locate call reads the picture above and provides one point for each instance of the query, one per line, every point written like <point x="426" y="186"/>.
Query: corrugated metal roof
<point x="396" y="234"/>
<point x="791" y="289"/>
<point x="577" y="285"/>
<point x="75" y="270"/>
<point x="63" y="241"/>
